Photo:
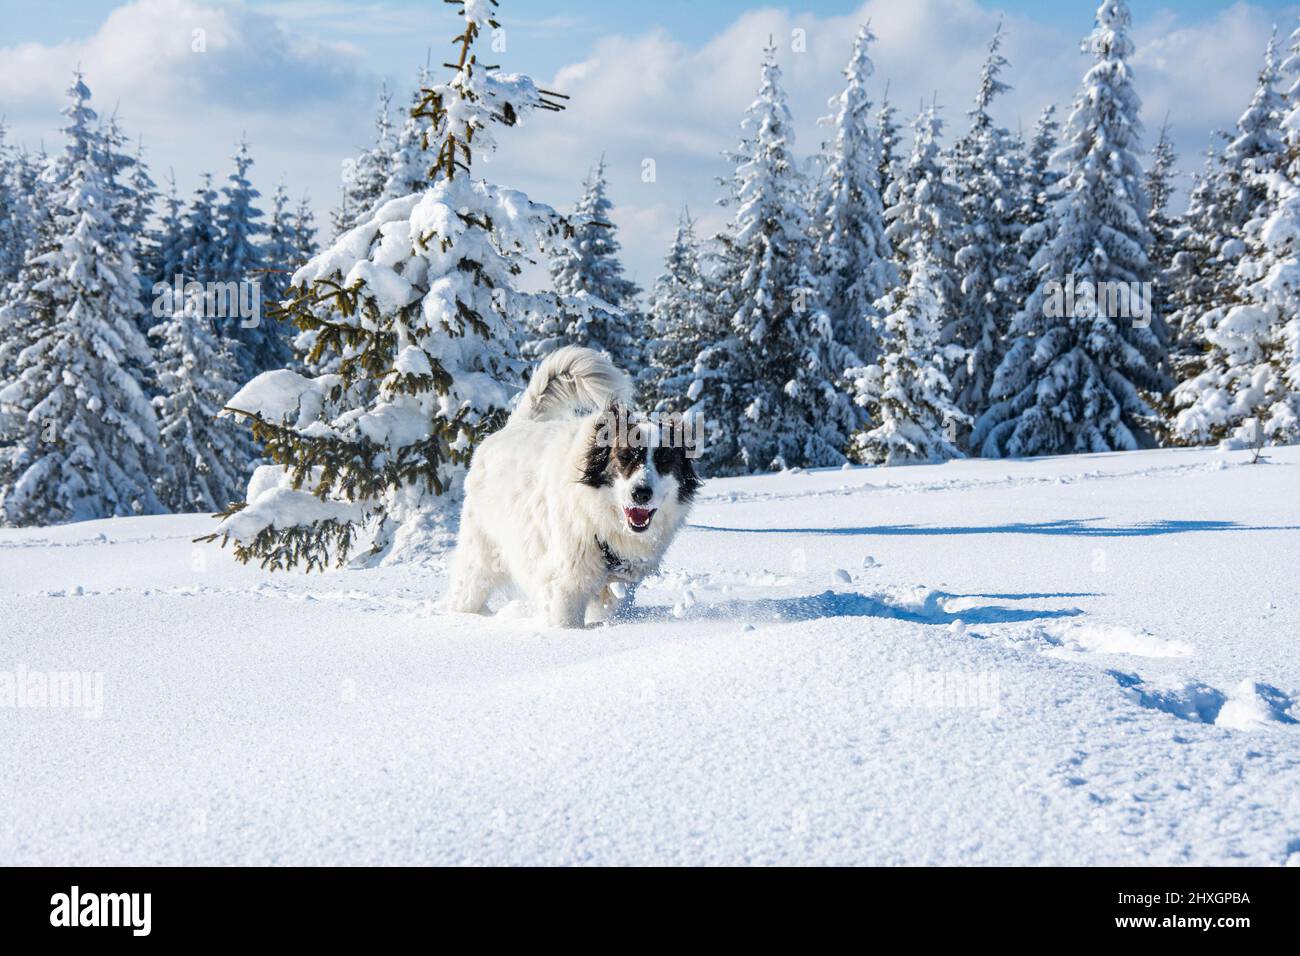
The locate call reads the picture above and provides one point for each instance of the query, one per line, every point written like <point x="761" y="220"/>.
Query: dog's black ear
<point x="594" y="467"/>
<point x="688" y="482"/>
<point x="618" y="417"/>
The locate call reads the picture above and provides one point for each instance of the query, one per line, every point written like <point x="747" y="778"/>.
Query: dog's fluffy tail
<point x="572" y="381"/>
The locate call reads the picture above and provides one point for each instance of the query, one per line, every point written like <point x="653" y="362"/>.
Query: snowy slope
<point x="981" y="662"/>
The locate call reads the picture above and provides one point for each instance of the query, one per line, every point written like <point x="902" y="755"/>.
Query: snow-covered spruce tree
<point x="279" y="251"/>
<point x="88" y="439"/>
<point x="28" y="225"/>
<point x="923" y="206"/>
<point x="81" y="135"/>
<point x="413" y="151"/>
<point x="1245" y="386"/>
<point x="201" y="259"/>
<point x="23" y="214"/>
<point x="1160" y="188"/>
<point x="924" y="211"/>
<point x="1250" y="378"/>
<point x="365" y="177"/>
<point x="769" y="386"/>
<point x="304" y="230"/>
<point x="1038" y="195"/>
<point x="989" y="259"/>
<point x="27" y="221"/>
<point x="1279" y="240"/>
<point x="1231" y="193"/>
<point x="133" y="190"/>
<point x="1164" y="226"/>
<point x="1289" y="71"/>
<point x="1254" y="154"/>
<point x="680" y="318"/>
<point x="908" y="397"/>
<point x="14" y="222"/>
<point x="1039" y="176"/>
<point x="1073" y="376"/>
<point x="587" y="267"/>
<point x="888" y="137"/>
<point x="144" y="192"/>
<point x="1198" y="275"/>
<point x="136" y="196"/>
<point x="420" y="304"/>
<point x="239" y="221"/>
<point x="263" y="343"/>
<point x="20" y="318"/>
<point x="208" y="459"/>
<point x="851" y="256"/>
<point x="1162" y="222"/>
<point x="166" y="249"/>
<point x="307" y="247"/>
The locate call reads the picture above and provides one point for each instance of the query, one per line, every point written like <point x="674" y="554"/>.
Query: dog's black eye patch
<point x="630" y="458"/>
<point x="666" y="459"/>
<point x="672" y="460"/>
<point x="688" y="482"/>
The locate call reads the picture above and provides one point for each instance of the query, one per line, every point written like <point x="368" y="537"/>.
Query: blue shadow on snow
<point x="831" y="604"/>
<point x="1082" y="527"/>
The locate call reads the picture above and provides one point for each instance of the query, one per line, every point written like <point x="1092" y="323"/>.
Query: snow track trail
<point x="1077" y="660"/>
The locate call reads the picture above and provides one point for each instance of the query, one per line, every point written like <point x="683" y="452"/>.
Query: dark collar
<point x="613" y="563"/>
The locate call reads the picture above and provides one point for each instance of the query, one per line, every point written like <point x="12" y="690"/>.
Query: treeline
<point x="127" y="318"/>
<point x="897" y="298"/>
<point x="1002" y="294"/>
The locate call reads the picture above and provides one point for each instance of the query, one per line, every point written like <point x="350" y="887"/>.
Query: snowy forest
<point x="916" y="290"/>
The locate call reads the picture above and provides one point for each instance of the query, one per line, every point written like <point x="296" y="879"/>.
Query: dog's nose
<point x="641" y="494"/>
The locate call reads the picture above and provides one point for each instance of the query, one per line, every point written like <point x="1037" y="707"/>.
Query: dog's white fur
<point x="529" y="520"/>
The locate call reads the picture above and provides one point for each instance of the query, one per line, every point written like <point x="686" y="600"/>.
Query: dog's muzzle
<point x="638" y="519"/>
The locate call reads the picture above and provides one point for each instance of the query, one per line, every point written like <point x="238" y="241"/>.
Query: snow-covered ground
<point x="1075" y="660"/>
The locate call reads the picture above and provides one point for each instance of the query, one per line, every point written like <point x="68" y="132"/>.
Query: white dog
<point x="572" y="501"/>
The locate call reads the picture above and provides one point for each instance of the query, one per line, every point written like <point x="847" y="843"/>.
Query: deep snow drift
<point x="1082" y="660"/>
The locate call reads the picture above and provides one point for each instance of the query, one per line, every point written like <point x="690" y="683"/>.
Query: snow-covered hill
<point x="1073" y="660"/>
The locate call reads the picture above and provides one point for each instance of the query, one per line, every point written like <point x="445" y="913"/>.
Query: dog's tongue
<point x="638" y="516"/>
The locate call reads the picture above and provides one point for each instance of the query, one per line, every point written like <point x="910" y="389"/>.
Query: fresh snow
<point x="1077" y="660"/>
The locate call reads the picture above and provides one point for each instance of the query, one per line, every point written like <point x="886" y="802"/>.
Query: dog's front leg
<point x="566" y="607"/>
<point x="615" y="596"/>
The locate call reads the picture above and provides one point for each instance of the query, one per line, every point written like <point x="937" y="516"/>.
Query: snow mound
<point x="1253" y="705"/>
<point x="1084" y="638"/>
<point x="1250" y="706"/>
<point x="1185" y="699"/>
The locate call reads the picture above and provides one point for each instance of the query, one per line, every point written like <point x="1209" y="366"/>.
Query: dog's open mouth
<point x="638" y="519"/>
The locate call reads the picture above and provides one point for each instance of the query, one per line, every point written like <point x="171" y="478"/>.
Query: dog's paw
<point x="453" y="605"/>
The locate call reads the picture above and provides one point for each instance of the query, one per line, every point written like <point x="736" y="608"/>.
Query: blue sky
<point x="47" y="23"/>
<point x="659" y="79"/>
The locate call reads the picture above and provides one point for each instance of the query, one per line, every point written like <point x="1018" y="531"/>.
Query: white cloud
<point x="375" y="19"/>
<point x="1203" y="74"/>
<point x="163" y="54"/>
<point x="193" y="77"/>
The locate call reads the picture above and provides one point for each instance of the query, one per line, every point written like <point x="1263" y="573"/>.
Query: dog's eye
<point x="663" y="460"/>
